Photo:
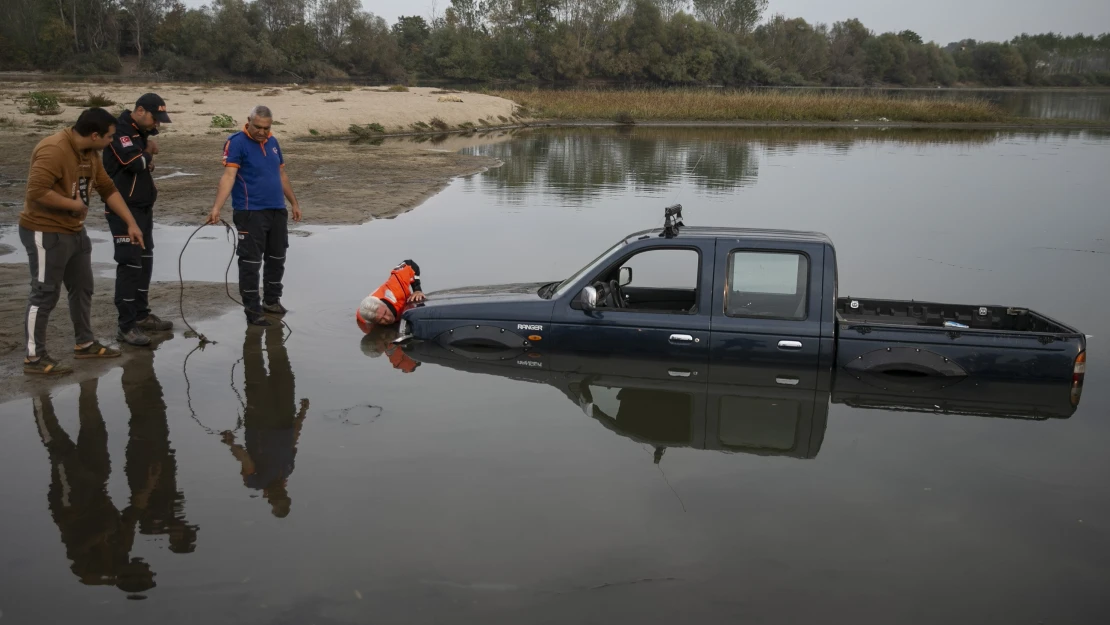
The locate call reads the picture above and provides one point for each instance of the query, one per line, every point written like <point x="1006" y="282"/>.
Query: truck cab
<point x="736" y="298"/>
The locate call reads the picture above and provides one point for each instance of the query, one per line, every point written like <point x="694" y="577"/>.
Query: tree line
<point x="663" y="42"/>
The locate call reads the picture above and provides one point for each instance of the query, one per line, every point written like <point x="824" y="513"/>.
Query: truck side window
<point x="769" y="285"/>
<point x="663" y="280"/>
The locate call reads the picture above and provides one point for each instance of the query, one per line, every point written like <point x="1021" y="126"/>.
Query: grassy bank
<point x="719" y="106"/>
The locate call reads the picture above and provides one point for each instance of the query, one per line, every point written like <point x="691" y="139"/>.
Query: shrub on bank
<point x="223" y="120"/>
<point x="42" y="103"/>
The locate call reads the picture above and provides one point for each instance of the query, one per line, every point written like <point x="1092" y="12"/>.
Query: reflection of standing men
<point x="149" y="453"/>
<point x="272" y="420"/>
<point x="98" y="536"/>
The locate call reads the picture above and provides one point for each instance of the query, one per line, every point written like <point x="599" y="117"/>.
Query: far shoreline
<point x="1017" y="124"/>
<point x="131" y="79"/>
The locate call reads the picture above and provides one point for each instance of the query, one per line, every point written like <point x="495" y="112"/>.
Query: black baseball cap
<point x="153" y="103"/>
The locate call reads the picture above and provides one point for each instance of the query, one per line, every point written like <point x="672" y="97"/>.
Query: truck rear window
<point x="767" y="284"/>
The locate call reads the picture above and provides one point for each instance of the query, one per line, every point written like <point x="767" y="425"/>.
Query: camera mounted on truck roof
<point x="672" y="221"/>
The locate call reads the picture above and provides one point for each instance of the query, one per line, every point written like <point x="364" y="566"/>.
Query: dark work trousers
<point x="134" y="266"/>
<point x="263" y="239"/>
<point x="56" y="259"/>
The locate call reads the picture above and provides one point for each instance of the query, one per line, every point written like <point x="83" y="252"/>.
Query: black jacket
<point x="128" y="163"/>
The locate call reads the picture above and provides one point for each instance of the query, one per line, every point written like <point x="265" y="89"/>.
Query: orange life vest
<point x="398" y="288"/>
<point x="395" y="293"/>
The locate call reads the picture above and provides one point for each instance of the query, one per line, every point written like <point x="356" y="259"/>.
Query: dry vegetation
<point x="718" y="106"/>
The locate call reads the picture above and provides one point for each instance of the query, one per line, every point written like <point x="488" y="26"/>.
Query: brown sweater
<point x="57" y="165"/>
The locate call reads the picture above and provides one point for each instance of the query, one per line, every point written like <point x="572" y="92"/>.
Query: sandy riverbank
<point x="298" y="110"/>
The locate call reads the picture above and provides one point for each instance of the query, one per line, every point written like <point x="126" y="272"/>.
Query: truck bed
<point x="930" y="314"/>
<point x="899" y="337"/>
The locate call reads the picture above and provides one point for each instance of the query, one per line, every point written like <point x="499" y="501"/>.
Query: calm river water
<point x="349" y="491"/>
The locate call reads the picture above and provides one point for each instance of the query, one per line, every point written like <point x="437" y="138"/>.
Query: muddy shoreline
<point x="202" y="300"/>
<point x="337" y="183"/>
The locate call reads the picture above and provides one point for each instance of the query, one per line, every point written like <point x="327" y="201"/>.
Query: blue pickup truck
<point x="721" y="301"/>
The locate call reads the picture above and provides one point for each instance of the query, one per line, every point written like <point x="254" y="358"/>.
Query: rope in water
<point x="204" y="340"/>
<point x="230" y="231"/>
<point x="189" y="396"/>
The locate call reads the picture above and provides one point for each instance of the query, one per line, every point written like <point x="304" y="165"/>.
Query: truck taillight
<point x="1078" y="372"/>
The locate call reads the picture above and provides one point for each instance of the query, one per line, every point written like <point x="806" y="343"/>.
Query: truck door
<point x="766" y="313"/>
<point x="664" y="312"/>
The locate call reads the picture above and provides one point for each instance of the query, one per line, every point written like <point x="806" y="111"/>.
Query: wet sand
<point x="202" y="300"/>
<point x="336" y="182"/>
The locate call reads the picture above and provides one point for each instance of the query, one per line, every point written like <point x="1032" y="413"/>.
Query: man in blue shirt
<point x="254" y="177"/>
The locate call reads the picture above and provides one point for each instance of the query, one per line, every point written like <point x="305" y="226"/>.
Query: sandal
<point x="95" y="350"/>
<point x="45" y="365"/>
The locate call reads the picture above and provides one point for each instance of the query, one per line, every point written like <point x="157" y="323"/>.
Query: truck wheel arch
<point x="906" y="361"/>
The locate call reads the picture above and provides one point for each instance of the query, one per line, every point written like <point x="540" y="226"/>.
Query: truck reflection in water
<point x="764" y="412"/>
<point x="99" y="537"/>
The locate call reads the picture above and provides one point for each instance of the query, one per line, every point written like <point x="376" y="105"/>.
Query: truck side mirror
<point x="625" y="276"/>
<point x="587" y="299"/>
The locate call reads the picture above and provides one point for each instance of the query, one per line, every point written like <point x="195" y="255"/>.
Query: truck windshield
<point x="566" y="284"/>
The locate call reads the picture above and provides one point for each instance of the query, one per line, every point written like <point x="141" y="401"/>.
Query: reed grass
<point x="716" y="105"/>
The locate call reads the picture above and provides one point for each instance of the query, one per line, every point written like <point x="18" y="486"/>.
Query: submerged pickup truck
<point x="742" y="298"/>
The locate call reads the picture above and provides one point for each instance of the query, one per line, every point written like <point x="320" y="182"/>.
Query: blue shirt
<point x="258" y="182"/>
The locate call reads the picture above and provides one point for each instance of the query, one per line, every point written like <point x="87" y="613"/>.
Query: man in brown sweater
<point x="52" y="228"/>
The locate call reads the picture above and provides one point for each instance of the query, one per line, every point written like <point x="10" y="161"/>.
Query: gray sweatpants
<point x="56" y="259"/>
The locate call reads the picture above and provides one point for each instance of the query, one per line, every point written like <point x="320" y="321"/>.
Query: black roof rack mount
<point x="672" y="221"/>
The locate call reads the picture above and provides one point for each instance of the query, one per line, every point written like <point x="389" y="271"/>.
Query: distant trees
<point x="143" y="16"/>
<point x="735" y="17"/>
<point x="666" y="42"/>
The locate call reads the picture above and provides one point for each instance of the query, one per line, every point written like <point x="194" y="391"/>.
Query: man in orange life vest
<point x="385" y="305"/>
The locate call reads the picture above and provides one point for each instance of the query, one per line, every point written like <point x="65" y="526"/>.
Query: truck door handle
<point x="679" y="373"/>
<point x="787" y="380"/>
<point x="681" y="338"/>
<point x="790" y="344"/>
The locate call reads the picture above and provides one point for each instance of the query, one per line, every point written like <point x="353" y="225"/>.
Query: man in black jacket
<point x="129" y="160"/>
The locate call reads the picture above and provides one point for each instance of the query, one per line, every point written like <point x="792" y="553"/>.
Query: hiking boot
<point x="134" y="336"/>
<point x="96" y="349"/>
<point x="274" y="308"/>
<point x="259" y="321"/>
<point x="154" y="323"/>
<point x="45" y="365"/>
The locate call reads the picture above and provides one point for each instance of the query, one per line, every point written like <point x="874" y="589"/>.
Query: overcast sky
<point x="942" y="21"/>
